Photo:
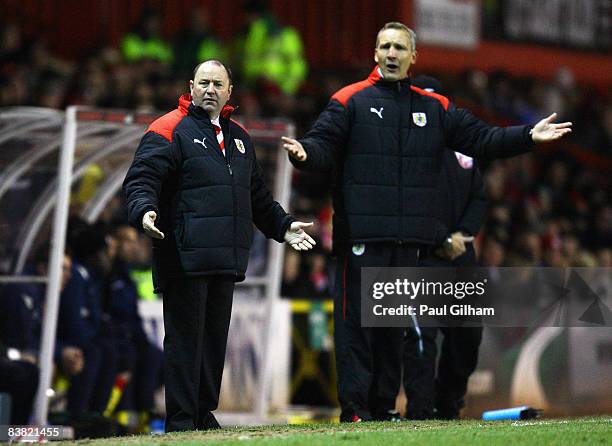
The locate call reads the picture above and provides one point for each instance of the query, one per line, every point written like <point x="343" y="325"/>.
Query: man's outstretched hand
<point x="545" y="130"/>
<point x="148" y="224"/>
<point x="297" y="238"/>
<point x="295" y="148"/>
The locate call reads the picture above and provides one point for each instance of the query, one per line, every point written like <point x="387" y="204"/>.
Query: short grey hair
<point x="401" y="27"/>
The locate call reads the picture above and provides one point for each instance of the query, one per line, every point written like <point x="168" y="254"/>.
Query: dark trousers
<point x="20" y="380"/>
<point x="368" y="360"/>
<point x="90" y="390"/>
<point x="458" y="360"/>
<point x="197" y="314"/>
<point x="420" y="352"/>
<point x="144" y="361"/>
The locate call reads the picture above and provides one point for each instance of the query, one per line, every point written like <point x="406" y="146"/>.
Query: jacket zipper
<point x="235" y="201"/>
<point x="400" y="167"/>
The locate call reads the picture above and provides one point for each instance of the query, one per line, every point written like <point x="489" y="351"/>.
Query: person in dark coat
<point x="384" y="140"/>
<point x="137" y="356"/>
<point x="21" y="312"/>
<point x="83" y="319"/>
<point x="196" y="187"/>
<point x="463" y="207"/>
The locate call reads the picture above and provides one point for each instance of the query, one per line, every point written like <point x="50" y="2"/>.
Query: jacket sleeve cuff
<point x="284" y="228"/>
<point x="303" y="165"/>
<point x="140" y="214"/>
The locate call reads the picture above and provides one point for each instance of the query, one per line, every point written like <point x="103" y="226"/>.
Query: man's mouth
<point x="391" y="66"/>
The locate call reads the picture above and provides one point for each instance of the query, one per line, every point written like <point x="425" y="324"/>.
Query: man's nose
<point x="392" y="53"/>
<point x="210" y="88"/>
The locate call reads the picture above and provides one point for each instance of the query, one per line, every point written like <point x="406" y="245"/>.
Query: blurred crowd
<point x="552" y="208"/>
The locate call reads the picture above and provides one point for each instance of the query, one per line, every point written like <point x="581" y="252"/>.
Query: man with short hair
<point x="196" y="188"/>
<point x="463" y="207"/>
<point x="384" y="138"/>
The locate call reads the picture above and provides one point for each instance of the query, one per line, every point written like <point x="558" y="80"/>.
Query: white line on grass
<point x="541" y="423"/>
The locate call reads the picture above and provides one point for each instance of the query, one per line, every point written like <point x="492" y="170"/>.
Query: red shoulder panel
<point x="443" y="99"/>
<point x="344" y="94"/>
<point x="164" y="125"/>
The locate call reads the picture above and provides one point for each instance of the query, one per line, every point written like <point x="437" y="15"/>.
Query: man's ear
<point x="191" y="87"/>
<point x="230" y="89"/>
<point x="414" y="58"/>
<point x="375" y="56"/>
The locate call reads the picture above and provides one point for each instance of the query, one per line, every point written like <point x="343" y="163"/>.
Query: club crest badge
<point x="465" y="161"/>
<point x="240" y="145"/>
<point x="358" y="249"/>
<point x="419" y="119"/>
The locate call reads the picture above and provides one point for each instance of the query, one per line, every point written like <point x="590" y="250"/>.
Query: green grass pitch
<point x="563" y="431"/>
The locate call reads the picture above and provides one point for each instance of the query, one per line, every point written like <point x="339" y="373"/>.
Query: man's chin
<point x="392" y="76"/>
<point x="209" y="108"/>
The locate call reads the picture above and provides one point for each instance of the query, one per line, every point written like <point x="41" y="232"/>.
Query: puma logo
<point x="378" y="112"/>
<point x="201" y="142"/>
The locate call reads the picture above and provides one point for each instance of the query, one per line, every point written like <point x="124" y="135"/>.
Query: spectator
<point x="136" y="355"/>
<point x="146" y="41"/>
<point x="271" y="51"/>
<point x="195" y="43"/>
<point x="81" y="321"/>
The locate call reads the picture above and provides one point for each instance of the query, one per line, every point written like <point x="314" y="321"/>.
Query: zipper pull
<point x="230" y="169"/>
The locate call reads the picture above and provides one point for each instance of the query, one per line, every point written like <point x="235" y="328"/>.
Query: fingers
<point x="562" y="125"/>
<point x="288" y="140"/>
<point x="289" y="144"/>
<point x="300" y="225"/>
<point x="309" y="239"/>
<point x="293" y="151"/>
<point x="303" y="244"/>
<point x="294" y="148"/>
<point x="296" y="246"/>
<point x="467" y="239"/>
<point x="152" y="231"/>
<point x="559" y="133"/>
<point x="306" y="244"/>
<point x="551" y="118"/>
<point x="148" y="224"/>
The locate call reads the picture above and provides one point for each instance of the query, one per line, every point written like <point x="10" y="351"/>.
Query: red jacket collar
<point x="376" y="76"/>
<point x="185" y="101"/>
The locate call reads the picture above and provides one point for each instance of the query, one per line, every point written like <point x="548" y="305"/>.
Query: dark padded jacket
<point x="206" y="202"/>
<point x="463" y="200"/>
<point x="463" y="197"/>
<point x="385" y="141"/>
